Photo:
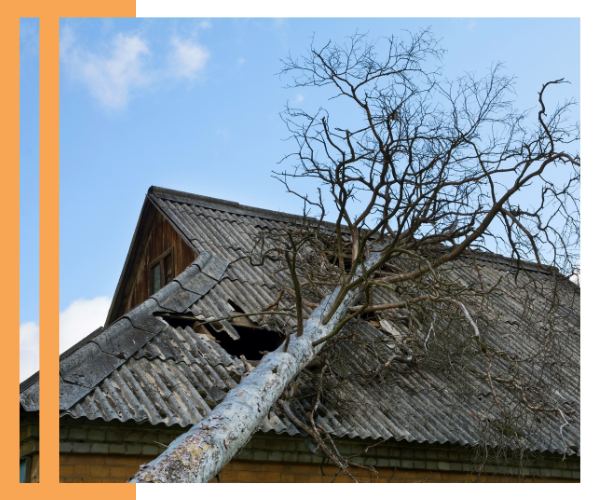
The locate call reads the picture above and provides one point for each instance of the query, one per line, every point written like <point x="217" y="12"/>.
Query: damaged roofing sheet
<point x="143" y="369"/>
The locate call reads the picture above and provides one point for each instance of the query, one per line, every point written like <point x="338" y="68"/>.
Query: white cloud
<point x="468" y="22"/>
<point x="111" y="79"/>
<point x="205" y="24"/>
<point x="187" y="58"/>
<point x="67" y="42"/>
<point x="128" y="66"/>
<point x="80" y="319"/>
<point x="29" y="349"/>
<point x="77" y="321"/>
<point x="299" y="98"/>
<point x="241" y="61"/>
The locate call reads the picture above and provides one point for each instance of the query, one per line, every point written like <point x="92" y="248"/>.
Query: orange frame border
<point x="49" y="14"/>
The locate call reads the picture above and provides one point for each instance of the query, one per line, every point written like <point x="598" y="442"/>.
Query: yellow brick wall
<point x="242" y="471"/>
<point x="30" y="446"/>
<point x="96" y="468"/>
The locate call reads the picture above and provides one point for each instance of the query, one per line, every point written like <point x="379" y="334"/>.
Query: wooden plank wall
<point x="161" y="237"/>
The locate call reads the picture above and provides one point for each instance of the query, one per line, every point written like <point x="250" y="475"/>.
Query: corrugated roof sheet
<point x="141" y="369"/>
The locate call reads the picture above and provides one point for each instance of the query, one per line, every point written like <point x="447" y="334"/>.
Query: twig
<point x="561" y="432"/>
<point x="431" y="329"/>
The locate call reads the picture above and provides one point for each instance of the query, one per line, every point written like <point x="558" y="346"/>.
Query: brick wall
<point x="113" y="452"/>
<point x="29" y="439"/>
<point x="242" y="471"/>
<point x="98" y="468"/>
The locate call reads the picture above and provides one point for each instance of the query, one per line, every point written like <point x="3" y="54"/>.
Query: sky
<point x="29" y="193"/>
<point x="194" y="104"/>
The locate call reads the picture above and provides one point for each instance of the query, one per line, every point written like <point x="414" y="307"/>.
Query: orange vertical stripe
<point x="49" y="248"/>
<point x="9" y="292"/>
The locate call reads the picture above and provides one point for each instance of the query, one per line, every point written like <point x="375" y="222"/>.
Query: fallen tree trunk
<point x="199" y="454"/>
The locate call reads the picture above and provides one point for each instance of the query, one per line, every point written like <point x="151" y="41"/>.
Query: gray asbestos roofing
<point x="141" y="369"/>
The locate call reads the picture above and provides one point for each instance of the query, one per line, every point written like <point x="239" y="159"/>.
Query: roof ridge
<point x="237" y="208"/>
<point x="229" y="206"/>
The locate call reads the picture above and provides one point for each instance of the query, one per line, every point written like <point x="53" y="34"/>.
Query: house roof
<point x="140" y="368"/>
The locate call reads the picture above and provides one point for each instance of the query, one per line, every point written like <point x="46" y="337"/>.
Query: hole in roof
<point x="370" y="317"/>
<point x="333" y="259"/>
<point x="177" y="320"/>
<point x="238" y="336"/>
<point x="253" y="343"/>
<point x="234" y="307"/>
<point x="186" y="320"/>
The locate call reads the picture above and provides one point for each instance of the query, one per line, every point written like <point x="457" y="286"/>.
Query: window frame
<point x="160" y="260"/>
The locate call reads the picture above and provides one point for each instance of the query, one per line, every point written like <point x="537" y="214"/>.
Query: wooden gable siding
<point x="155" y="236"/>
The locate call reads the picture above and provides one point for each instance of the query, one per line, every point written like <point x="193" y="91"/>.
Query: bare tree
<point x="424" y="172"/>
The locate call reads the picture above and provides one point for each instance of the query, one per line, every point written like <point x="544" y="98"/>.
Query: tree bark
<point x="199" y="454"/>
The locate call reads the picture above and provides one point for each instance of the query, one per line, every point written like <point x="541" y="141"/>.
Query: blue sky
<point x="29" y="191"/>
<point x="194" y="105"/>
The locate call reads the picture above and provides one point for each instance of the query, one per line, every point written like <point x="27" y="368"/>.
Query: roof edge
<point x="230" y="206"/>
<point x="29" y="381"/>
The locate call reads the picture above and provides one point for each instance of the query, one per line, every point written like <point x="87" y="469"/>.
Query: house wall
<point x="100" y="468"/>
<point x="113" y="453"/>
<point x="29" y="445"/>
<point x="242" y="471"/>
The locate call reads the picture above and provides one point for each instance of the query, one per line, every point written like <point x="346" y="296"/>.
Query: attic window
<point x="161" y="271"/>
